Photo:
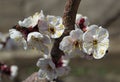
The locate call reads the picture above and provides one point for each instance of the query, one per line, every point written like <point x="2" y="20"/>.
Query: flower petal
<point x="76" y="34"/>
<point x="41" y="74"/>
<point x="17" y="36"/>
<point x="62" y="70"/>
<point x="99" y="53"/>
<point x="78" y="17"/>
<point x="76" y="52"/>
<point x="46" y="39"/>
<point x="51" y="63"/>
<point x="51" y="75"/>
<point x="66" y="44"/>
<point x="36" y="40"/>
<point x="43" y="26"/>
<point x="57" y="34"/>
<point x="14" y="34"/>
<point x="42" y="63"/>
<point x="88" y="47"/>
<point x="104" y="43"/>
<point x="92" y="31"/>
<point x="31" y="21"/>
<point x="103" y="33"/>
<point x="54" y="20"/>
<point x="101" y="49"/>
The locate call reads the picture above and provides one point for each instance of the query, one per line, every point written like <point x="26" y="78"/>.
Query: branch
<point x="69" y="16"/>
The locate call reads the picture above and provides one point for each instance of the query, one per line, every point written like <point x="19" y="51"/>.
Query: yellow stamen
<point x="51" y="30"/>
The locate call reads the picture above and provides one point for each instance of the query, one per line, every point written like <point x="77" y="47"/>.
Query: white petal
<point x="17" y="36"/>
<point x="78" y="17"/>
<point x="25" y="45"/>
<point x="14" y="71"/>
<point x="104" y="43"/>
<point x="66" y="44"/>
<point x="30" y="21"/>
<point x="92" y="31"/>
<point x="88" y="47"/>
<point x="41" y="74"/>
<point x="62" y="70"/>
<point x="99" y="53"/>
<point x="14" y="34"/>
<point x="101" y="49"/>
<point x="43" y="26"/>
<point x="36" y="40"/>
<point x="77" y="52"/>
<point x="42" y="16"/>
<point x="86" y="23"/>
<point x="26" y="22"/>
<point x="57" y="34"/>
<point x="51" y="75"/>
<point x="93" y="28"/>
<point x="54" y="20"/>
<point x="103" y="33"/>
<point x="76" y="34"/>
<point x="51" y="64"/>
<point x="46" y="39"/>
<point x="65" y="61"/>
<point x="42" y="63"/>
<point x="33" y="35"/>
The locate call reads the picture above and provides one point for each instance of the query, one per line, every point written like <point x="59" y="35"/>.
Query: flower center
<point x="51" y="30"/>
<point x="49" y="67"/>
<point x="95" y="42"/>
<point x="77" y="44"/>
<point x="34" y="38"/>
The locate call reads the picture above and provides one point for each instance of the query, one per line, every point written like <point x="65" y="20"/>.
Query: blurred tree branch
<point x="69" y="16"/>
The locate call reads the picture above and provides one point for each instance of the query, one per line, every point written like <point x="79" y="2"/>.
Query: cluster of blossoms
<point x="87" y="41"/>
<point x="10" y="71"/>
<point x="36" y="32"/>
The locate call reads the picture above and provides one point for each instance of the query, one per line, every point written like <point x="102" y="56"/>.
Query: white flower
<point x="49" y="70"/>
<point x="18" y="37"/>
<point x="52" y="26"/>
<point x="14" y="71"/>
<point x="96" y="41"/>
<point x="72" y="44"/>
<point x="31" y="21"/>
<point x="38" y="41"/>
<point x="82" y="22"/>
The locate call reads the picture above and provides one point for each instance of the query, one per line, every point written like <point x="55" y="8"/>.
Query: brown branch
<point x="69" y="16"/>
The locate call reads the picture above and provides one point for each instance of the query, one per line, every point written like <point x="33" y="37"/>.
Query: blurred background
<point x="100" y="12"/>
